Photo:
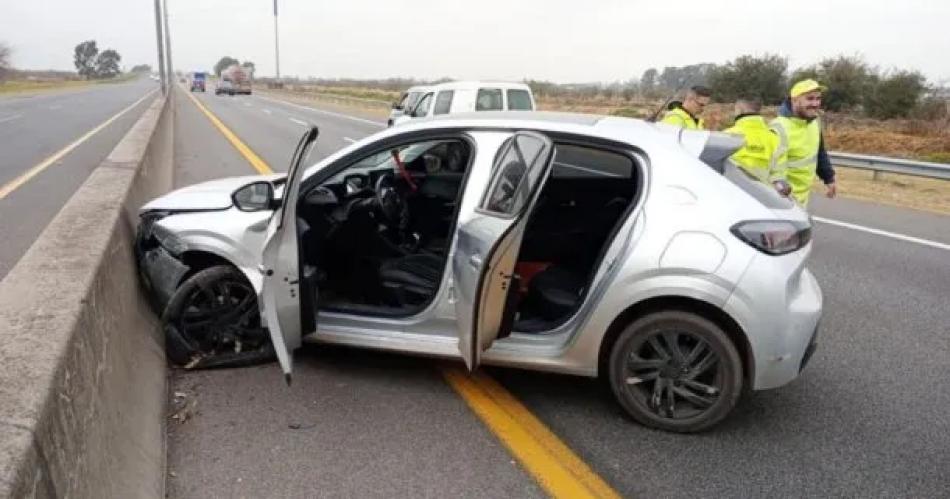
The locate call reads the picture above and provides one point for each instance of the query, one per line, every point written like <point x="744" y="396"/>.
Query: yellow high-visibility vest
<point x="761" y="155"/>
<point x="799" y="140"/>
<point x="679" y="117"/>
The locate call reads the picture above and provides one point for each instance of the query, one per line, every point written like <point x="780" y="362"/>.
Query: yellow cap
<point x="805" y="86"/>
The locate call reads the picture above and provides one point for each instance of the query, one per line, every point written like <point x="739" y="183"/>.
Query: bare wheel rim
<point x="675" y="375"/>
<point x="221" y="316"/>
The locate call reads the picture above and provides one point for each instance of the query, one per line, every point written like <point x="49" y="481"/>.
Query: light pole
<point x="168" y="48"/>
<point x="276" y="45"/>
<point x="161" y="53"/>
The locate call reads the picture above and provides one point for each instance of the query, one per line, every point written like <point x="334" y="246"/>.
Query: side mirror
<point x="254" y="197"/>
<point x="396" y="106"/>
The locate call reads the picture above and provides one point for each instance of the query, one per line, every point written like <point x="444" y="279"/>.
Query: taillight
<point x="774" y="237"/>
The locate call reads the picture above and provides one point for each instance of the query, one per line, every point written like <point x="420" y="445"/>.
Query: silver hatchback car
<point x="586" y="245"/>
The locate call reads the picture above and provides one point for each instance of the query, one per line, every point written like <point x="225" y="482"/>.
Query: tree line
<point x="853" y="85"/>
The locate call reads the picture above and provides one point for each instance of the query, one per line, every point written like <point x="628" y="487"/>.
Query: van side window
<point x="443" y="102"/>
<point x="489" y="99"/>
<point x="519" y="100"/>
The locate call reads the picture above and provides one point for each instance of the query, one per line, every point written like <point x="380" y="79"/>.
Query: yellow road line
<point x="259" y="164"/>
<point x="559" y="471"/>
<point x="25" y="177"/>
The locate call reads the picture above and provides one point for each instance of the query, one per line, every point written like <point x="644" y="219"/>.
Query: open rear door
<point x="490" y="240"/>
<point x="281" y="265"/>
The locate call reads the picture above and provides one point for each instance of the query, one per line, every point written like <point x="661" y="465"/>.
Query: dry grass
<point x="18" y="86"/>
<point x="905" y="191"/>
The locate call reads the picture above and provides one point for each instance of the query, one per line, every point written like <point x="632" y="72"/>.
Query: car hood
<point x="211" y="195"/>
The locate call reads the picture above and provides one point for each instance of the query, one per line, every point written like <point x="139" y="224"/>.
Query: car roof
<point x="456" y="85"/>
<point x="614" y="128"/>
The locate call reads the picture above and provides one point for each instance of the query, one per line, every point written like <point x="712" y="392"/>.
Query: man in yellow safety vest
<point x="799" y="130"/>
<point x="687" y="114"/>
<point x="761" y="156"/>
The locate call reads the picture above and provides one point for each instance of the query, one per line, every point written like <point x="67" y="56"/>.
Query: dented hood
<point x="211" y="195"/>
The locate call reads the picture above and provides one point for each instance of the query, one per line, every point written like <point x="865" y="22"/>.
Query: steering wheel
<point x="390" y="203"/>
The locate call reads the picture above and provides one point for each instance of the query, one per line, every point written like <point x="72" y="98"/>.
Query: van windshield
<point x="519" y="100"/>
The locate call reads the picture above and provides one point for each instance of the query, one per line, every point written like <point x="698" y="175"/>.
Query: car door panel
<point x="488" y="243"/>
<point x="280" y="294"/>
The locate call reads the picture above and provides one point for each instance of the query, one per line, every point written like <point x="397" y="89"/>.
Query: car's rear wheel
<point x="213" y="320"/>
<point x="675" y="371"/>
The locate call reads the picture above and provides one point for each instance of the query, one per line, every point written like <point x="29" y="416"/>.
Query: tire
<point x="233" y="335"/>
<point x="704" y="391"/>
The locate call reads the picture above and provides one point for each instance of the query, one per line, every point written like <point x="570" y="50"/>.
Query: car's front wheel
<point x="213" y="320"/>
<point x="675" y="371"/>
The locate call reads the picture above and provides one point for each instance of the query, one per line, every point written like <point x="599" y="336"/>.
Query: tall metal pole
<point x="276" y="45"/>
<point x="161" y="52"/>
<point x="168" y="48"/>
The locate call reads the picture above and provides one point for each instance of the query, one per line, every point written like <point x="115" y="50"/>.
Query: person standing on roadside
<point x="761" y="155"/>
<point x="799" y="130"/>
<point x="688" y="114"/>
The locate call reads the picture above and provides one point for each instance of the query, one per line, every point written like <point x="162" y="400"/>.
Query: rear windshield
<point x="762" y="193"/>
<point x="519" y="100"/>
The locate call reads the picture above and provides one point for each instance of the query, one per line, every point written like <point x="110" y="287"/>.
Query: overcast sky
<point x="559" y="40"/>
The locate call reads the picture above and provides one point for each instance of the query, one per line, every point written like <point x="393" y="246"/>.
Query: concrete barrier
<point x="82" y="382"/>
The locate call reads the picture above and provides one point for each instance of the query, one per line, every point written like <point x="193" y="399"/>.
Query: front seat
<point x="412" y="279"/>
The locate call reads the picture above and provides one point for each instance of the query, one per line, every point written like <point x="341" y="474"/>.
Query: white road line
<point x="299" y="122"/>
<point x="349" y="140"/>
<point x="884" y="233"/>
<point x="321" y="111"/>
<point x="10" y="118"/>
<point x="25" y="177"/>
<point x="266" y="111"/>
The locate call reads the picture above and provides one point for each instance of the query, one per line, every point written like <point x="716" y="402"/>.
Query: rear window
<point x="519" y="100"/>
<point x="572" y="161"/>
<point x="443" y="102"/>
<point x="489" y="99"/>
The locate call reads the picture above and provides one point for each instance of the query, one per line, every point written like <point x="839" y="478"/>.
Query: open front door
<point x="281" y="265"/>
<point x="489" y="242"/>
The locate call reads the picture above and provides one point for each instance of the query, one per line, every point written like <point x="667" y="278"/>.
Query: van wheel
<point x="675" y="371"/>
<point x="213" y="320"/>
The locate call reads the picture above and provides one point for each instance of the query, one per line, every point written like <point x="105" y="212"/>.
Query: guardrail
<point x="879" y="164"/>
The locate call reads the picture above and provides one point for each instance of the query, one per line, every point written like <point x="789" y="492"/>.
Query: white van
<point x="468" y="96"/>
<point x="406" y="102"/>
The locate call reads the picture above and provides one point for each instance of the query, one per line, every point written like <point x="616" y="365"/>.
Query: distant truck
<point x="198" y="82"/>
<point x="239" y="78"/>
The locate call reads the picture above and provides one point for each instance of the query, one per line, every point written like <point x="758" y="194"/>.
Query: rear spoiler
<point x="712" y="148"/>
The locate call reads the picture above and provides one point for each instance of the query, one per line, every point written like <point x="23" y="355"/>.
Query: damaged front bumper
<point x="160" y="269"/>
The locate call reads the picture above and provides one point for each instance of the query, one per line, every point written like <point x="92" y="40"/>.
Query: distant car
<point x="576" y="244"/>
<point x="406" y="102"/>
<point x="224" y="87"/>
<point x="467" y="96"/>
<point x="198" y="82"/>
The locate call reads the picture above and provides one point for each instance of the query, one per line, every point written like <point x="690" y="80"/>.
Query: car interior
<point x="375" y="238"/>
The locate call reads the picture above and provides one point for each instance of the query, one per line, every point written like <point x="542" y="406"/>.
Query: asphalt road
<point x="868" y="417"/>
<point x="35" y="127"/>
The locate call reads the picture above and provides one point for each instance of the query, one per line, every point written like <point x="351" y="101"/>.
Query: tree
<point x="141" y="68"/>
<point x="224" y="63"/>
<point x="762" y="77"/>
<point x="249" y="67"/>
<point x="649" y="80"/>
<point x="848" y="80"/>
<point x="5" y="52"/>
<point x="107" y="64"/>
<point x="84" y="58"/>
<point x="895" y="95"/>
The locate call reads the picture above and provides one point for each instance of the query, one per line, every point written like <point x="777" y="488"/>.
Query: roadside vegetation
<point x="92" y="67"/>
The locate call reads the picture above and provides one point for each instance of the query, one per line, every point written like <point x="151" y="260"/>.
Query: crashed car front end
<point x="158" y="253"/>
